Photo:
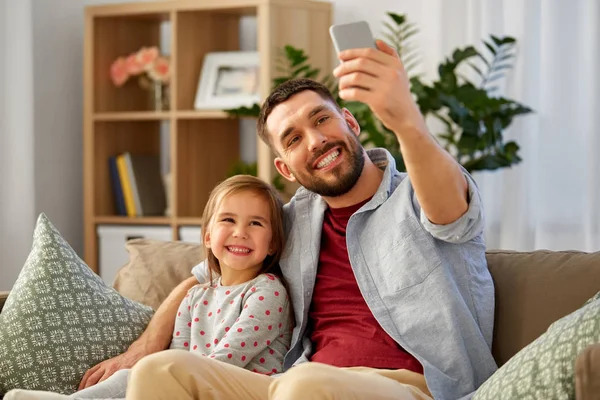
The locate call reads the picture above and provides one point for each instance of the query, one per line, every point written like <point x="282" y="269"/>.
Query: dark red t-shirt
<point x="344" y="331"/>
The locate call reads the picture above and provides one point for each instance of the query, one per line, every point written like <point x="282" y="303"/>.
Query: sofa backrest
<point x="534" y="289"/>
<point x="3" y="297"/>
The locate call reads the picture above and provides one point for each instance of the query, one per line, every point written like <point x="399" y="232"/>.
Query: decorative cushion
<point x="60" y="319"/>
<point x="545" y="368"/>
<point x="155" y="268"/>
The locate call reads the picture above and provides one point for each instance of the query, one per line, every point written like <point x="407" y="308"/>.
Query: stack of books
<point x="137" y="184"/>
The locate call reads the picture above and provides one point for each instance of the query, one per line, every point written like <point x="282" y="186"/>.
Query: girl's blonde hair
<point x="246" y="183"/>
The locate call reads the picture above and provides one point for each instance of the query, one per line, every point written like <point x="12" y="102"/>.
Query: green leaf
<point x="500" y="67"/>
<point x="278" y="182"/>
<point x="410" y="57"/>
<point x="506" y="56"/>
<point x="494" y="77"/>
<point x="486" y="162"/>
<point x="476" y="69"/>
<point x="312" y="74"/>
<point x="279" y="81"/>
<point x="300" y="70"/>
<point x="485" y="61"/>
<point x="460" y="55"/>
<point x="242" y="168"/>
<point x="398" y="18"/>
<point x="393" y="41"/>
<point x="391" y="28"/>
<point x="409" y="34"/>
<point x="295" y="56"/>
<point x="407" y="26"/>
<point x="490" y="47"/>
<point x="511" y="148"/>
<point x="497" y="41"/>
<point x="408" y="67"/>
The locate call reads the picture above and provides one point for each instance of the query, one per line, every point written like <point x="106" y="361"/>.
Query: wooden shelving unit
<point x="203" y="144"/>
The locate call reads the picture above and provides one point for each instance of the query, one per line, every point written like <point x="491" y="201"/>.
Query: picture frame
<point x="228" y="80"/>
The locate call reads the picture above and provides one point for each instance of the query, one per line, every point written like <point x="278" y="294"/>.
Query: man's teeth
<point x="327" y="160"/>
<point x="238" y="249"/>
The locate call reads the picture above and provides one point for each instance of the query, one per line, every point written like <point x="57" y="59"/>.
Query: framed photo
<point x="228" y="80"/>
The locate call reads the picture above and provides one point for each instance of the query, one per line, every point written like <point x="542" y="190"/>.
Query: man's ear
<point x="351" y="121"/>
<point x="283" y="169"/>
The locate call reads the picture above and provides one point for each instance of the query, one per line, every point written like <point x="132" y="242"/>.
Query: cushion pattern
<point x="60" y="319"/>
<point x="545" y="368"/>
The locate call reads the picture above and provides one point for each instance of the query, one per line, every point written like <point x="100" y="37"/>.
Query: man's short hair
<point x="283" y="92"/>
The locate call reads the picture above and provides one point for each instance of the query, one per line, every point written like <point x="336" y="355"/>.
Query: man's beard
<point x="345" y="181"/>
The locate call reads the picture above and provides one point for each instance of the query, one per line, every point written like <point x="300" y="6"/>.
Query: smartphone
<point x="355" y="35"/>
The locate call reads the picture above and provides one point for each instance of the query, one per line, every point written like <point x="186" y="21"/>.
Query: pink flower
<point x="160" y="70"/>
<point x="133" y="66"/>
<point x="146" y="55"/>
<point x="118" y="71"/>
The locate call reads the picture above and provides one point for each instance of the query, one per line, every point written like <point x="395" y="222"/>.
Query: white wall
<point x="57" y="48"/>
<point x="16" y="138"/>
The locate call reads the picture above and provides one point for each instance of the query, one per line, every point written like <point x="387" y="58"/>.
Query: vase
<point x="159" y="96"/>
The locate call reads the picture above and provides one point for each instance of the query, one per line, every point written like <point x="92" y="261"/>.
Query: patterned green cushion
<point x="61" y="319"/>
<point x="545" y="368"/>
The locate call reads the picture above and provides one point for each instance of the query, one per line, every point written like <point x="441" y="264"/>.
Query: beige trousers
<point x="180" y="375"/>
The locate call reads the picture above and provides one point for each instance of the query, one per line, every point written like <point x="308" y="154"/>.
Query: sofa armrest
<point x="3" y="297"/>
<point x="587" y="373"/>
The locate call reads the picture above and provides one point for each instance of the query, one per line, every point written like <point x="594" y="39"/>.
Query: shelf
<point x="196" y="114"/>
<point x="160" y="116"/>
<point x="189" y="221"/>
<point x="120" y="220"/>
<point x="133" y="116"/>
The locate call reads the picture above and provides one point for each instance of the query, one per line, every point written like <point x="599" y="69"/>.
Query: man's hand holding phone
<point x="375" y="76"/>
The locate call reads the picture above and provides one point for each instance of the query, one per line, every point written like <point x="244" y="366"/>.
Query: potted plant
<point x="473" y="116"/>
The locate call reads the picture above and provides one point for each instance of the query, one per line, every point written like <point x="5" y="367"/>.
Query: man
<point x="387" y="271"/>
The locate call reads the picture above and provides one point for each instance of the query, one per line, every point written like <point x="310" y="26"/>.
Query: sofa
<point x="533" y="289"/>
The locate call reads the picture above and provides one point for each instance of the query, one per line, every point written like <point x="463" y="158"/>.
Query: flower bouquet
<point x="153" y="71"/>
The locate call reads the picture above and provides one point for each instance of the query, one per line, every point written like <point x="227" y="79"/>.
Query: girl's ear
<point x="207" y="239"/>
<point x="272" y="249"/>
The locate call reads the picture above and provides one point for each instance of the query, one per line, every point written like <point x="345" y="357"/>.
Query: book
<point x="126" y="186"/>
<point x="147" y="184"/>
<point x="133" y="184"/>
<point x="116" y="186"/>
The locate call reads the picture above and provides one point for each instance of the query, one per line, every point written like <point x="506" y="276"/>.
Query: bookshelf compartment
<point x="118" y="37"/>
<point x="197" y="147"/>
<point x="114" y="138"/>
<point x="200" y="32"/>
<point x="207" y="149"/>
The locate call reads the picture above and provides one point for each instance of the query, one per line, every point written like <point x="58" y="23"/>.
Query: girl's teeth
<point x="238" y="250"/>
<point x="328" y="159"/>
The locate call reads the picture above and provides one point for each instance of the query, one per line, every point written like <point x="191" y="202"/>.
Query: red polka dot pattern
<point x="250" y="324"/>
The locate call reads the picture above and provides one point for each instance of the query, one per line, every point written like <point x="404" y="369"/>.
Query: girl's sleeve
<point x="183" y="323"/>
<point x="263" y="318"/>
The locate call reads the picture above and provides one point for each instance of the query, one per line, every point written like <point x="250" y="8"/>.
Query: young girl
<point x="242" y="316"/>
